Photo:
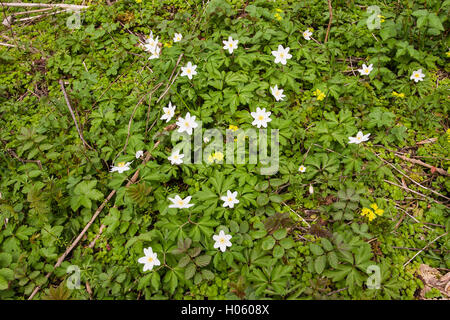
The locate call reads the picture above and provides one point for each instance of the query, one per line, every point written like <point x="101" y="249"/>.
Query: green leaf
<point x="190" y="271"/>
<point x="316" y="249"/>
<point x="203" y="260"/>
<point x="320" y="263"/>
<point x="268" y="243"/>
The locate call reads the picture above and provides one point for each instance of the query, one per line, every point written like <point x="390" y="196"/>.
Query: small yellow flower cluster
<point x="448" y="135"/>
<point x="372" y="214"/>
<point x="319" y="94"/>
<point x="233" y="127"/>
<point x="381" y="18"/>
<point x="398" y="95"/>
<point x="216" y="156"/>
<point x="138" y="1"/>
<point x="277" y="15"/>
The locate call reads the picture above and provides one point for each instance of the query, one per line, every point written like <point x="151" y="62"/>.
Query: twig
<point x="73" y="115"/>
<point x="415" y="192"/>
<point x="330" y="9"/>
<point x="132" y="180"/>
<point x="405" y="175"/>
<point x="442" y="235"/>
<point x="309" y="226"/>
<point x="415" y="161"/>
<point x="47" y="5"/>
<point x="75" y="242"/>
<point x="14" y="154"/>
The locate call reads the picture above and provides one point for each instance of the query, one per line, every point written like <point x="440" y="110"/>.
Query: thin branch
<point x="415" y="161"/>
<point x="61" y="82"/>
<point x="46" y="5"/>
<point x="330" y="9"/>
<point x="442" y="235"/>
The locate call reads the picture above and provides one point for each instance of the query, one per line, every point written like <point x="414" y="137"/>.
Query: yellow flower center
<point x="121" y="164"/>
<point x="150" y="259"/>
<point x="417" y="75"/>
<point x="230" y="199"/>
<point x="180" y="202"/>
<point x="222" y="240"/>
<point x="281" y="55"/>
<point x="186" y="123"/>
<point x="188" y="71"/>
<point x="261" y="118"/>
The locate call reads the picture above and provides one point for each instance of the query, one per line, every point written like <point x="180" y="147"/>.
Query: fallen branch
<point x="424" y="248"/>
<point x="73" y="115"/>
<point x="412" y="191"/>
<point x="330" y="9"/>
<point x="45" y="5"/>
<point x="415" y="161"/>
<point x="97" y="212"/>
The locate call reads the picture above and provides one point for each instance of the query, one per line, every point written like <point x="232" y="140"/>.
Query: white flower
<point x="187" y="124"/>
<point x="139" y="154"/>
<point x="360" y="137"/>
<point x="206" y="140"/>
<point x="121" y="167"/>
<point x="277" y="93"/>
<point x="149" y="260"/>
<point x="150" y="37"/>
<point x="222" y="241"/>
<point x="281" y="55"/>
<point x="417" y="76"/>
<point x="177" y="37"/>
<point x="302" y="168"/>
<point x="261" y="117"/>
<point x="150" y="43"/>
<point x="311" y="189"/>
<point x="189" y="70"/>
<point x="179" y="203"/>
<point x="365" y="69"/>
<point x="230" y="199"/>
<point x="155" y="53"/>
<point x="169" y="112"/>
<point x="176" y="157"/>
<point x="307" y="34"/>
<point x="230" y="45"/>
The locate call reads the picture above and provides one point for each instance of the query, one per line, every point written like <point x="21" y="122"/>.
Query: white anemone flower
<point x="360" y="137"/>
<point x="261" y="117"/>
<point x="302" y="168"/>
<point x="169" y="112"/>
<point x="230" y="199"/>
<point x="179" y="203"/>
<point x="230" y="45"/>
<point x="121" y="167"/>
<point x="139" y="154"/>
<point x="177" y="37"/>
<point x="307" y="34"/>
<point x="417" y="76"/>
<point x="155" y="53"/>
<point x="176" y="157"/>
<point x="277" y="93"/>
<point x="186" y="124"/>
<point x="281" y="55"/>
<point x="222" y="241"/>
<point x="149" y="260"/>
<point x="365" y="70"/>
<point x="189" y="70"/>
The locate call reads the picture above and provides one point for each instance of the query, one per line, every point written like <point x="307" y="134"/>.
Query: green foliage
<point x="294" y="235"/>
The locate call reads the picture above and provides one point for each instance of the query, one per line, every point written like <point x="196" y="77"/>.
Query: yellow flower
<point x="167" y="44"/>
<point x="448" y="135"/>
<point x="218" y="156"/>
<point x="278" y="10"/>
<point x="372" y="214"/>
<point x="210" y="158"/>
<point x="277" y="16"/>
<point x="232" y="127"/>
<point x="448" y="54"/>
<point x="381" y="18"/>
<point x="377" y="210"/>
<point x="138" y="1"/>
<point x="398" y="95"/>
<point x="319" y="94"/>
